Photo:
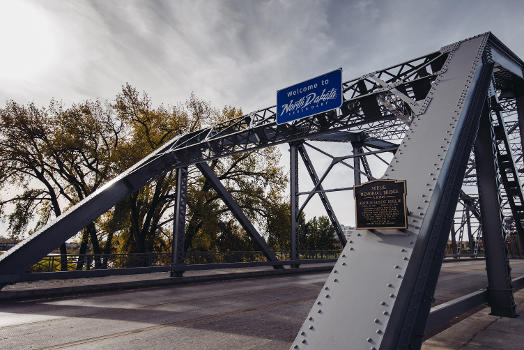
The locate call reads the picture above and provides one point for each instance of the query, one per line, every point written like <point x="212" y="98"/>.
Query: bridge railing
<point x="52" y="262"/>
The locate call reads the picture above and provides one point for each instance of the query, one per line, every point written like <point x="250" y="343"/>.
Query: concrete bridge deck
<point x="255" y="313"/>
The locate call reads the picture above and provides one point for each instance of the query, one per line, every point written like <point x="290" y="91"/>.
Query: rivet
<point x="359" y="234"/>
<point x="302" y="333"/>
<point x="311" y="318"/>
<point x="406" y="258"/>
<point x="318" y="303"/>
<point x="344" y="264"/>
<point x="350" y="241"/>
<point x="385" y="313"/>
<point x="379" y="331"/>
<point x="397" y="267"/>
<point x="343" y="255"/>
<point x="392" y="295"/>
<point x="399" y="276"/>
<point x="311" y="327"/>
<point x="304" y="341"/>
<point x="390" y="285"/>
<point x="335" y="280"/>
<point x="351" y="248"/>
<point x="403" y="250"/>
<point x="319" y="311"/>
<point x="295" y="347"/>
<point x="327" y="296"/>
<point x="382" y="303"/>
<point x="369" y="340"/>
<point x="376" y="320"/>
<point x="326" y="288"/>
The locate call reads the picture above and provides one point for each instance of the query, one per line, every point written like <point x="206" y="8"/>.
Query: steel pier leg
<point x="500" y="294"/>
<point x="356" y="164"/>
<point x="453" y="241"/>
<point x="293" y="182"/>
<point x="519" y="97"/>
<point x="179" y="222"/>
<point x="471" y="242"/>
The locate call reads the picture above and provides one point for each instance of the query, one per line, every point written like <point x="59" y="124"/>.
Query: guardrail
<point x="97" y="265"/>
<point x="76" y="262"/>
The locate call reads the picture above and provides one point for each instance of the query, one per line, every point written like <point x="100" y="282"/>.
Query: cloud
<point x="240" y="52"/>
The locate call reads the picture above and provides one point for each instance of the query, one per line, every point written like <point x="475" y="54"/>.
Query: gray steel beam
<point x="179" y="222"/>
<point x="323" y="197"/>
<point x="519" y="97"/>
<point x="444" y="313"/>
<point x="499" y="277"/>
<point x="357" y="149"/>
<point x="379" y="144"/>
<point x="367" y="169"/>
<point x="503" y="57"/>
<point x="236" y="211"/>
<point x="453" y="240"/>
<point x="471" y="240"/>
<point x="293" y="200"/>
<point x="389" y="298"/>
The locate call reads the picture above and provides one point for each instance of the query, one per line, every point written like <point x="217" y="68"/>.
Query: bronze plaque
<point x="381" y="204"/>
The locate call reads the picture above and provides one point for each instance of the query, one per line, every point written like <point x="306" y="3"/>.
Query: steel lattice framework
<point x="453" y="120"/>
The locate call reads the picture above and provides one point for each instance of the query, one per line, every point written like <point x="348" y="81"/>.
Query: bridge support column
<point x="519" y="97"/>
<point x="179" y="222"/>
<point x="500" y="294"/>
<point x="293" y="200"/>
<point x="471" y="240"/>
<point x="356" y="163"/>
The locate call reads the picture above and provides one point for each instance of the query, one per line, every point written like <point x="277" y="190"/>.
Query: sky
<point x="235" y="53"/>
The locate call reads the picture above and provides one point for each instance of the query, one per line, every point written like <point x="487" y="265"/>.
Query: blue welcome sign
<point x="312" y="96"/>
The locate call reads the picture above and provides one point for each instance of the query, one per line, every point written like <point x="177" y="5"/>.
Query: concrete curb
<point x="6" y="296"/>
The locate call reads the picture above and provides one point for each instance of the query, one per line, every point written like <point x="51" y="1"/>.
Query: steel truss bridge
<point x="453" y="121"/>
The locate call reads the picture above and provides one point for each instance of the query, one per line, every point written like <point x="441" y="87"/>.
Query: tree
<point x="254" y="179"/>
<point x="317" y="234"/>
<point x="51" y="158"/>
<point x="54" y="157"/>
<point x="278" y="225"/>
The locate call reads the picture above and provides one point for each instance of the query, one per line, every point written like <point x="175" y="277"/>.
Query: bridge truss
<point x="452" y="120"/>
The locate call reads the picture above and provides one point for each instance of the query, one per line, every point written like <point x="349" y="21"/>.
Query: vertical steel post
<point x="519" y="97"/>
<point x="453" y="240"/>
<point x="179" y="222"/>
<point x="500" y="294"/>
<point x="356" y="163"/>
<point x="293" y="192"/>
<point x="471" y="241"/>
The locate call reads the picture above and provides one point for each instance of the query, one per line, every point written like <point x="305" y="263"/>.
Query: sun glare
<point x="27" y="40"/>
